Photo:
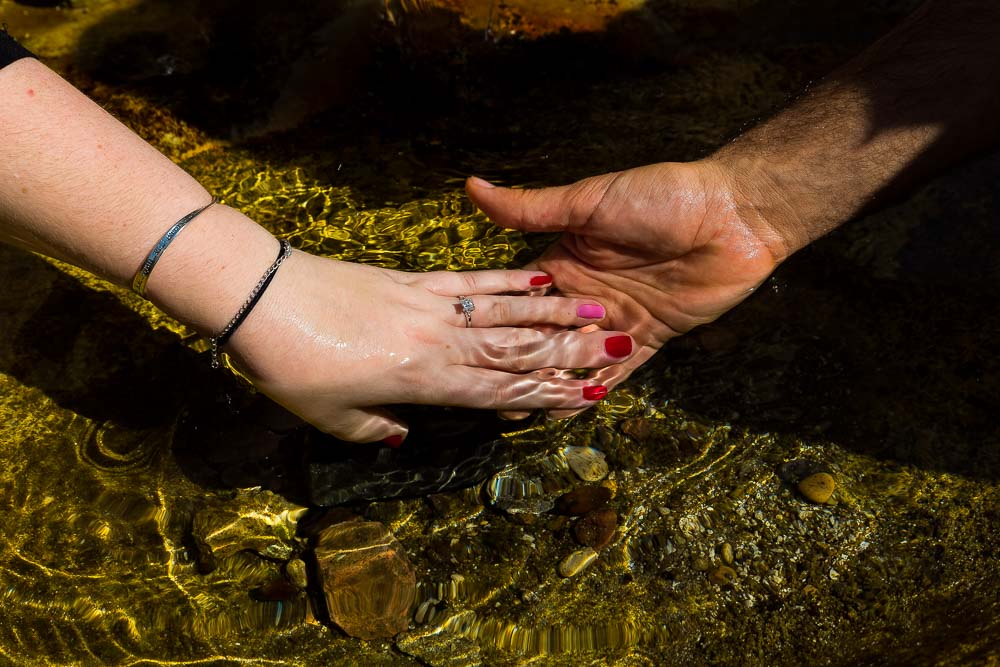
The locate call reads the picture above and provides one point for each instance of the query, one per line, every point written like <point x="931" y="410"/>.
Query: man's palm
<point x="663" y="247"/>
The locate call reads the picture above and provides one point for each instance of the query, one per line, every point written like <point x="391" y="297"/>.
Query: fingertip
<point x="394" y="441"/>
<point x="591" y="311"/>
<point x="541" y="280"/>
<point x="513" y="415"/>
<point x="619" y="346"/>
<point x="475" y="181"/>
<point x="595" y="392"/>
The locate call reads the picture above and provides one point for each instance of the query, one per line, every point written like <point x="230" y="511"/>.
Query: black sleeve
<point x="10" y="50"/>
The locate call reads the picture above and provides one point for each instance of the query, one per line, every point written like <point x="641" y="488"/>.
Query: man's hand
<point x="670" y="246"/>
<point x="664" y="247"/>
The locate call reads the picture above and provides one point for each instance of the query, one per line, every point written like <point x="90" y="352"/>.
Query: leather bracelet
<point x="141" y="276"/>
<point x="223" y="336"/>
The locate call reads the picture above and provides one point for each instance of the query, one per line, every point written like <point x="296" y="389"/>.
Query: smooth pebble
<point x="818" y="487"/>
<point x="577" y="562"/>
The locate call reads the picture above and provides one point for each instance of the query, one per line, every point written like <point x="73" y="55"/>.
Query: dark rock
<point x="794" y="471"/>
<point x="596" y="528"/>
<point x="279" y="589"/>
<point x="320" y="519"/>
<point x="447" y="449"/>
<point x="240" y="440"/>
<point x="583" y="499"/>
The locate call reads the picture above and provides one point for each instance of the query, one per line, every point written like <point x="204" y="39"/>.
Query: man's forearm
<point x="920" y="98"/>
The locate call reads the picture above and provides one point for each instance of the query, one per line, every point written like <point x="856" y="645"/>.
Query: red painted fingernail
<point x="595" y="393"/>
<point x="393" y="441"/>
<point x="537" y="281"/>
<point x="618" y="346"/>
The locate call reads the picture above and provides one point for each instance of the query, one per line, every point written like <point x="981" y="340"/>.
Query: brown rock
<point x="596" y="528"/>
<point x="818" y="487"/>
<point x="367" y="580"/>
<point x="722" y="575"/>
<point x="639" y="428"/>
<point x="583" y="499"/>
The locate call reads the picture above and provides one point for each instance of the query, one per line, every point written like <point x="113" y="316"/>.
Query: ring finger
<point x="484" y="311"/>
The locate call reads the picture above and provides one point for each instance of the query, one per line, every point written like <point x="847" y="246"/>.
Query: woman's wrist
<point x="207" y="272"/>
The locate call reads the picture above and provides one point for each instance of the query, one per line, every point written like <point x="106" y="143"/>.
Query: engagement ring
<point x="467" y="308"/>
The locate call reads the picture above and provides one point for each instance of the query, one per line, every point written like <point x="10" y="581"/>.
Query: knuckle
<point x="470" y="285"/>
<point x="503" y="394"/>
<point x="520" y="351"/>
<point x="501" y="312"/>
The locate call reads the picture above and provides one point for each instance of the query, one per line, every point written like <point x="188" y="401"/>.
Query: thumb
<point x="543" y="210"/>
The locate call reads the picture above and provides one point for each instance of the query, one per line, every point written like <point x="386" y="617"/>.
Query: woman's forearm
<point x="77" y="185"/>
<point x="920" y="98"/>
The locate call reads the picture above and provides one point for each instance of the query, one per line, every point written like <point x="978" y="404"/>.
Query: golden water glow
<point x="111" y="554"/>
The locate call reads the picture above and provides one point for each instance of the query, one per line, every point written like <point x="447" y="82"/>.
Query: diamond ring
<point x="467" y="308"/>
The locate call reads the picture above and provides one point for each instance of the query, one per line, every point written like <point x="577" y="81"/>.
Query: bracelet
<point x="223" y="336"/>
<point x="142" y="275"/>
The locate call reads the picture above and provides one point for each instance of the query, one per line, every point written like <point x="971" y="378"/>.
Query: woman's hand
<point x="664" y="247"/>
<point x="331" y="341"/>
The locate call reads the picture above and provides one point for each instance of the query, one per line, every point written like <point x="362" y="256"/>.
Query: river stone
<point x="583" y="499"/>
<point x="722" y="575"/>
<point x="367" y="580"/>
<point x="588" y="463"/>
<point x="577" y="562"/>
<point x="596" y="528"/>
<point x="818" y="487"/>
<point x="295" y="570"/>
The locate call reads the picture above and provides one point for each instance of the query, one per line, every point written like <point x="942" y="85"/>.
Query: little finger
<point x="483" y="388"/>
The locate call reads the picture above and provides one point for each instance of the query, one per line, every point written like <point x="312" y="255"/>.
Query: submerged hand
<point x="330" y="341"/>
<point x="664" y="247"/>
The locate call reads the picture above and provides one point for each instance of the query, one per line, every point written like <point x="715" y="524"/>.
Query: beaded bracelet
<point x="142" y="275"/>
<point x="223" y="336"/>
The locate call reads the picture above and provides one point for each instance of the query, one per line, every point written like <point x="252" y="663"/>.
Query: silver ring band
<point x="467" y="308"/>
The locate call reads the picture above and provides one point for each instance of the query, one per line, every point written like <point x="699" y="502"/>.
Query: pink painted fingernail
<point x="537" y="281"/>
<point x="595" y="393"/>
<point x="393" y="441"/>
<point x="618" y="346"/>
<point x="591" y="311"/>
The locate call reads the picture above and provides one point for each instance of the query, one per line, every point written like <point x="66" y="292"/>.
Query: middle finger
<point x="520" y="350"/>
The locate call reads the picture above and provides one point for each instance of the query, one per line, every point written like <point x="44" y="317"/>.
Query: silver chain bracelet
<point x="223" y="336"/>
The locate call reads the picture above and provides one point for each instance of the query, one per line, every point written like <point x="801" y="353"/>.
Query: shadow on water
<point x="92" y="355"/>
<point x="86" y="351"/>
